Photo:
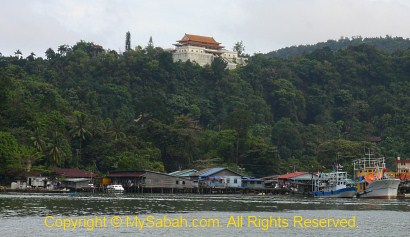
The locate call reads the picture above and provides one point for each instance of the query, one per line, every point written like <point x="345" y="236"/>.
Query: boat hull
<point x="340" y="193"/>
<point x="385" y="188"/>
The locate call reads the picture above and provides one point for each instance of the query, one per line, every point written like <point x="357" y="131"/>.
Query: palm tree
<point x="117" y="129"/>
<point x="28" y="155"/>
<point x="55" y="149"/>
<point x="80" y="131"/>
<point x="18" y="53"/>
<point x="38" y="140"/>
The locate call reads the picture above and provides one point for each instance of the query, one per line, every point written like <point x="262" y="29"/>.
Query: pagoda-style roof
<point x="201" y="41"/>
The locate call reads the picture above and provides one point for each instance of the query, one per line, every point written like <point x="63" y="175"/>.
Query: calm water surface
<point x="219" y="215"/>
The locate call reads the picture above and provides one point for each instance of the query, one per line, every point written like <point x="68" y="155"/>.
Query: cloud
<point x="263" y="25"/>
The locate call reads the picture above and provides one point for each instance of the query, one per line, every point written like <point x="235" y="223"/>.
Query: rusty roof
<point x="291" y="175"/>
<point x="73" y="172"/>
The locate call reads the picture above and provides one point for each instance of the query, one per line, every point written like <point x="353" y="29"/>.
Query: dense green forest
<point x="388" y="44"/>
<point x="88" y="107"/>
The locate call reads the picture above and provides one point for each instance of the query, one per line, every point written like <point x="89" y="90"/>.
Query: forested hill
<point x="88" y="107"/>
<point x="388" y="44"/>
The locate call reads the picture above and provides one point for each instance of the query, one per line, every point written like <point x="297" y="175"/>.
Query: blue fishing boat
<point x="334" y="184"/>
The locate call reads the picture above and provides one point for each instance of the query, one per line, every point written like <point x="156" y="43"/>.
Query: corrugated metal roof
<point x="186" y="172"/>
<point x="211" y="171"/>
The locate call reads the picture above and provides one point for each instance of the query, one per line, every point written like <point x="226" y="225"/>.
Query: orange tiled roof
<point x="199" y="38"/>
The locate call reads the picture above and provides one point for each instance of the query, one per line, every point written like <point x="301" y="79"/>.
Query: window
<point x="177" y="182"/>
<point x="235" y="181"/>
<point x="220" y="181"/>
<point x="183" y="182"/>
<point x="228" y="180"/>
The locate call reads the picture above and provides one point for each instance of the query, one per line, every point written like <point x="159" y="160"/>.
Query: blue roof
<point x="211" y="171"/>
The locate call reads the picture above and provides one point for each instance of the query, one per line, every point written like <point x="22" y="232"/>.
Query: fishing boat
<point x="334" y="184"/>
<point x="371" y="178"/>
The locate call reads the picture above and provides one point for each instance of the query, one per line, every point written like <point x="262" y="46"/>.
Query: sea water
<point x="23" y="214"/>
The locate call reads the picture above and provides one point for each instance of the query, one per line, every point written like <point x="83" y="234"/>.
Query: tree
<point x="150" y="43"/>
<point x="38" y="140"/>
<point x="63" y="49"/>
<point x="18" y="54"/>
<point x="9" y="152"/>
<point x="28" y="156"/>
<point x="127" y="41"/>
<point x="239" y="47"/>
<point x="55" y="151"/>
<point x="50" y="54"/>
<point x="80" y="130"/>
<point x="117" y="130"/>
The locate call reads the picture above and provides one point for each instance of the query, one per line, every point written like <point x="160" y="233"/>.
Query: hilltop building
<point x="202" y="50"/>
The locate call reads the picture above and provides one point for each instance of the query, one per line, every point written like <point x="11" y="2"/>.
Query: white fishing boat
<point x="371" y="178"/>
<point x="115" y="188"/>
<point x="334" y="184"/>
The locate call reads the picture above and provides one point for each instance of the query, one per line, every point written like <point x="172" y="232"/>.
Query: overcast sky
<point x="263" y="25"/>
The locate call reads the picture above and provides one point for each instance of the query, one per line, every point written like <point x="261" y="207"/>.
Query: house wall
<point x="253" y="184"/>
<point x="219" y="180"/>
<point x="37" y="182"/>
<point x="198" y="55"/>
<point x="233" y="181"/>
<point x="192" y="53"/>
<point x="403" y="166"/>
<point x="155" y="180"/>
<point x="75" y="185"/>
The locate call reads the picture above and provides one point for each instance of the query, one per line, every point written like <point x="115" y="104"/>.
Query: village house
<point x="300" y="182"/>
<point x="403" y="169"/>
<point x="203" y="50"/>
<point x="217" y="178"/>
<point x="252" y="183"/>
<point x="143" y="181"/>
<point x="74" y="178"/>
<point x="270" y="181"/>
<point x="36" y="180"/>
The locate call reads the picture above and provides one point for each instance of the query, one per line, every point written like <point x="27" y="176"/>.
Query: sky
<point x="262" y="25"/>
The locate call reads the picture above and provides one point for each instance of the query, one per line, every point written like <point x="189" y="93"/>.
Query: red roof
<point x="291" y="175"/>
<point x="73" y="173"/>
<point x="402" y="161"/>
